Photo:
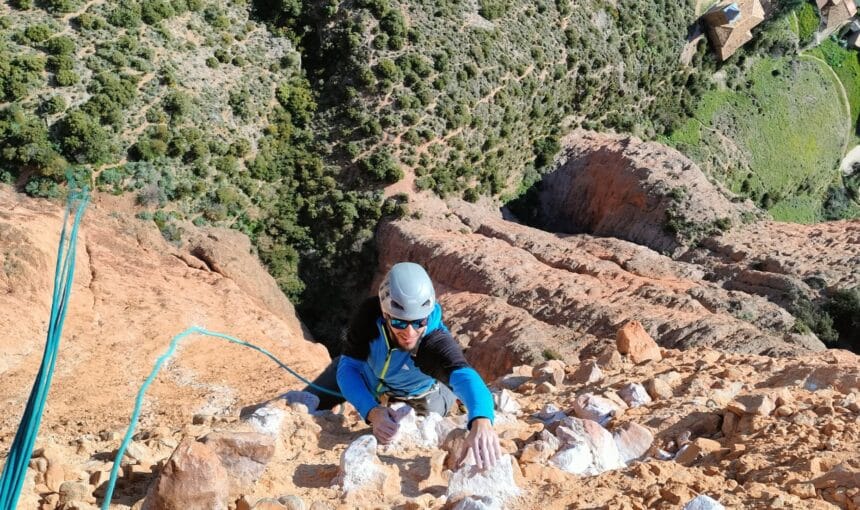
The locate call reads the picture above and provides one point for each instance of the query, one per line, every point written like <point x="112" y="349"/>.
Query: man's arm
<point x="468" y="385"/>
<point x="441" y="357"/>
<point x="354" y="353"/>
<point x="352" y="385"/>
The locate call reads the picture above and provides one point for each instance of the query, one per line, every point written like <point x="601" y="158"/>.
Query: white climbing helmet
<point x="407" y="292"/>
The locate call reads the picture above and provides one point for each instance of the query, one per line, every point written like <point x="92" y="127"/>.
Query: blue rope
<point x="139" y="401"/>
<point x="18" y="459"/>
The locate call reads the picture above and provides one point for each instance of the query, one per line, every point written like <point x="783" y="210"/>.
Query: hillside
<point x="285" y="121"/>
<point x="293" y="122"/>
<point x="778" y="118"/>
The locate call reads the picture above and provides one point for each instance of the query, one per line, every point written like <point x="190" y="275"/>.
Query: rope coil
<point x="18" y="459"/>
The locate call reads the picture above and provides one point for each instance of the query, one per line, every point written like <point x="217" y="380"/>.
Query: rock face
<point x="518" y="295"/>
<point x="619" y="186"/>
<point x="752" y="431"/>
<point x="780" y="260"/>
<point x="132" y="293"/>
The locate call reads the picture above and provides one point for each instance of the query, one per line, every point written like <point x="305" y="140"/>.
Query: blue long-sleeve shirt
<point x="362" y="375"/>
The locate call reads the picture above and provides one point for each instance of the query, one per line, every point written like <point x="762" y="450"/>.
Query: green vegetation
<point x="741" y="128"/>
<point x="783" y="123"/>
<point x="835" y="319"/>
<point x="846" y="64"/>
<point x="287" y="125"/>
<point x="844" y="309"/>
<point x="807" y="21"/>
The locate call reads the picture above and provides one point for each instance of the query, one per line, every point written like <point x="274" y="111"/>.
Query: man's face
<point x="407" y="333"/>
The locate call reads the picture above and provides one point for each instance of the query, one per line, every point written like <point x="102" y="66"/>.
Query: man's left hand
<point x="483" y="441"/>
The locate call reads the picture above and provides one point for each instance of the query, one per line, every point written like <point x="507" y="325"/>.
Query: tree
<point x="84" y="140"/>
<point x="545" y="150"/>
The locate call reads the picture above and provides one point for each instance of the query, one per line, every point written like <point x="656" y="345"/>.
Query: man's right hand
<point x="384" y="421"/>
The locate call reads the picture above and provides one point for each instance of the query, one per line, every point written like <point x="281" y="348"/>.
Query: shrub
<point x="54" y="105"/>
<point x="240" y="147"/>
<point x="42" y="187"/>
<point x="61" y="45"/>
<point x="37" y="33"/>
<point x="386" y="69"/>
<point x="393" y="24"/>
<point x="89" y="21"/>
<point x="111" y="178"/>
<point x="66" y="78"/>
<point x="844" y="308"/>
<point x="215" y="16"/>
<point x="153" y="11"/>
<point x="126" y="14"/>
<point x="297" y="99"/>
<point x="808" y="22"/>
<point x="492" y="9"/>
<point x="841" y="203"/>
<point x="83" y="139"/>
<point x="381" y="167"/>
<point x="25" y="143"/>
<point x="177" y="104"/>
<point x="545" y="150"/>
<point x="19" y="74"/>
<point x="61" y="5"/>
<point x="222" y="55"/>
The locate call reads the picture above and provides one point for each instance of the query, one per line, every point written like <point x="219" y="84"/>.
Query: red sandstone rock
<point x="634" y="341"/>
<point x="192" y="479"/>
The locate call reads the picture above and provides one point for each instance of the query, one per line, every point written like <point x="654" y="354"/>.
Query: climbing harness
<point x="18" y="459"/>
<point x="385" y="366"/>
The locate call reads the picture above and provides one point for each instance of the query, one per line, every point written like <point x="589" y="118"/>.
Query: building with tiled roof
<point x="835" y="13"/>
<point x="729" y="24"/>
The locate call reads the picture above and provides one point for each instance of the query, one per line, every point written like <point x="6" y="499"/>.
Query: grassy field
<point x="846" y="64"/>
<point x="777" y="137"/>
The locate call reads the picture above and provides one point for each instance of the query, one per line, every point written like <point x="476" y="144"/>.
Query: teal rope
<point x="19" y="455"/>
<point x="139" y="401"/>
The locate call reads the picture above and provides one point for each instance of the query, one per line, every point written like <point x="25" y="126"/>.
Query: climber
<point x="397" y="347"/>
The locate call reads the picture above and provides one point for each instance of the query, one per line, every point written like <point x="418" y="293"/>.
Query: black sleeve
<point x="362" y="329"/>
<point x="439" y="355"/>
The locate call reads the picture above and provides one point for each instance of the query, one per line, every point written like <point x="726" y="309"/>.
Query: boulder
<point x="587" y="373"/>
<point x="599" y="409"/>
<point x="635" y="395"/>
<point x="267" y="419"/>
<point x="702" y="502"/>
<point x="587" y="448"/>
<point x="361" y="470"/>
<point x="760" y="404"/>
<point x="635" y="342"/>
<point x="658" y="389"/>
<point x="192" y="479"/>
<point x="506" y="402"/>
<point x="478" y="503"/>
<point x="550" y="414"/>
<point x="633" y="441"/>
<point x="496" y="482"/>
<point x="695" y="450"/>
<point x="244" y="455"/>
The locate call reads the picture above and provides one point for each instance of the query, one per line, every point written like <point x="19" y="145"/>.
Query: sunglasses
<point x="403" y="324"/>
